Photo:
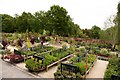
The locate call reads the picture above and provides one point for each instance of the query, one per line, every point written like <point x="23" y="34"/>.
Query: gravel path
<point x="98" y="69"/>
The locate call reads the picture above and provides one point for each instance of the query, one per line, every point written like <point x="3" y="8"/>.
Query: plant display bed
<point x="40" y="49"/>
<point x="102" y="52"/>
<point x="44" y="61"/>
<point x="76" y="67"/>
<point x="104" y="56"/>
<point x="37" y="50"/>
<point x="14" y="57"/>
<point x="113" y="69"/>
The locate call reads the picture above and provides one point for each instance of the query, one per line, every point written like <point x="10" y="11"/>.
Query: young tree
<point x="118" y="24"/>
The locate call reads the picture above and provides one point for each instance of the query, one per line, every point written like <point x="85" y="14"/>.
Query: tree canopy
<point x="118" y="24"/>
<point x="55" y="21"/>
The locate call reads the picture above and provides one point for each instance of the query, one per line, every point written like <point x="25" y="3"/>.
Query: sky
<point x="85" y="13"/>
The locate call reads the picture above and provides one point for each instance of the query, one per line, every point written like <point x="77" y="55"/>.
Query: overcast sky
<point x="85" y="13"/>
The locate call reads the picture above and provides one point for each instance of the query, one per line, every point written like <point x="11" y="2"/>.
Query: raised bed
<point x="14" y="57"/>
<point x="50" y="59"/>
<point x="73" y="70"/>
<point x="58" y="61"/>
<point x="40" y="49"/>
<point x="113" y="69"/>
<point x="104" y="56"/>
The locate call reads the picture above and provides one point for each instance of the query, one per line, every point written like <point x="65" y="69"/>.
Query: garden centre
<point x="73" y="57"/>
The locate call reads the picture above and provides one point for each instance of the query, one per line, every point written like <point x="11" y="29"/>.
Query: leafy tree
<point x="88" y="33"/>
<point x="77" y="31"/>
<point x="59" y="22"/>
<point x="95" y="32"/>
<point x="7" y="23"/>
<point x="58" y="19"/>
<point x="24" y="22"/>
<point x="40" y="21"/>
<point x="55" y="21"/>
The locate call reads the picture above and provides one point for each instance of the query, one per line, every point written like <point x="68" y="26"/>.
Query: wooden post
<point x="46" y="68"/>
<point x="61" y="67"/>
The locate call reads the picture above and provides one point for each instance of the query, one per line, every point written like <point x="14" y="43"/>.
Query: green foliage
<point x="40" y="49"/>
<point x="109" y="31"/>
<point x="119" y="48"/>
<point x="81" y="66"/>
<point x="118" y="25"/>
<point x="55" y="21"/>
<point x="82" y="49"/>
<point x="8" y="23"/>
<point x="64" y="46"/>
<point x="113" y="67"/>
<point x="91" y="58"/>
<point x="104" y="51"/>
<point x="95" y="32"/>
<point x="33" y="65"/>
<point x="72" y="48"/>
<point x="48" y="59"/>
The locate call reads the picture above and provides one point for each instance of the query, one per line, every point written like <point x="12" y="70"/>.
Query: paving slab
<point x="49" y="73"/>
<point x="98" y="69"/>
<point x="44" y="74"/>
<point x="11" y="71"/>
<point x="21" y="65"/>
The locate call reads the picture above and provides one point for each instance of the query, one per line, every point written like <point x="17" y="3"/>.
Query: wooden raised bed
<point x="58" y="61"/>
<point x="91" y="67"/>
<point x="103" y="55"/>
<point x="79" y="75"/>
